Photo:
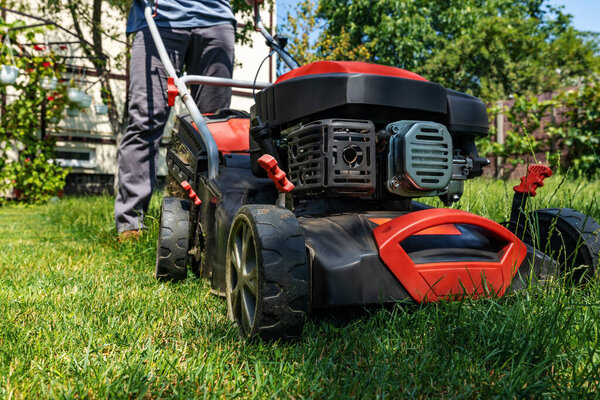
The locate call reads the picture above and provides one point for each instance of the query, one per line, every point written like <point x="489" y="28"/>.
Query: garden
<point x="82" y="316"/>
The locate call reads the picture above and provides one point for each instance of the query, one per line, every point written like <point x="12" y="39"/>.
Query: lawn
<point x="82" y="317"/>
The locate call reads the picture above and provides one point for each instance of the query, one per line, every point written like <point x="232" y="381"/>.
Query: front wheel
<point x="267" y="273"/>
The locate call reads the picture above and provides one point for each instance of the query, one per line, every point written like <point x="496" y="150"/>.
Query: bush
<point x="570" y="141"/>
<point x="32" y="177"/>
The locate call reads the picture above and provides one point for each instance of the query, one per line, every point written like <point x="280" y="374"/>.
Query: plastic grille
<point x="429" y="157"/>
<point x="333" y="156"/>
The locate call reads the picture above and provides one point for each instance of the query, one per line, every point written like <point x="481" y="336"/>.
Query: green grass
<point x="82" y="317"/>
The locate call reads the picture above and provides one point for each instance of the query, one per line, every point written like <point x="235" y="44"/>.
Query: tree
<point x="489" y="48"/>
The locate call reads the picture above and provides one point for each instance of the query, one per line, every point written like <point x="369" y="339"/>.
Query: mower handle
<point x="216" y="81"/>
<point x="180" y="84"/>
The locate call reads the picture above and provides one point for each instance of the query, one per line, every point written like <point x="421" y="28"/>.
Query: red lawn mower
<point x="308" y="201"/>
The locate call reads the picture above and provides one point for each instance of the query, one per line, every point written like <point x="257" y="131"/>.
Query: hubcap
<point x="243" y="277"/>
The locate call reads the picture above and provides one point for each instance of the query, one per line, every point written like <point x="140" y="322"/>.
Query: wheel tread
<point x="173" y="240"/>
<point x="572" y="226"/>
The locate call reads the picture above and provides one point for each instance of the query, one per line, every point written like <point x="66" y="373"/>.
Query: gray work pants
<point x="203" y="51"/>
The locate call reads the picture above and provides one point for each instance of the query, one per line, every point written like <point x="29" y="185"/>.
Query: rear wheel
<point x="173" y="240"/>
<point x="266" y="273"/>
<point x="571" y="238"/>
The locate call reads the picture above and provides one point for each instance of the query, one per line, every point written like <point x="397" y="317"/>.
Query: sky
<point x="586" y="13"/>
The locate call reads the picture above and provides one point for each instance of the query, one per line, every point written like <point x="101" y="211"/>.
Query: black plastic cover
<point x="381" y="99"/>
<point x="466" y="114"/>
<point x="345" y="264"/>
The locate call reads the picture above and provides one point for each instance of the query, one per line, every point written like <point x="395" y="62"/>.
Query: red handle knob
<point x="191" y="193"/>
<point x="172" y="92"/>
<point x="533" y="180"/>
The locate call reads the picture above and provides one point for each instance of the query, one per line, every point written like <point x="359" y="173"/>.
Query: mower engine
<point x="340" y="156"/>
<point x="414" y="139"/>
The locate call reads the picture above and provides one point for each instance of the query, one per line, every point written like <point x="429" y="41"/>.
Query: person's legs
<point x="211" y="53"/>
<point x="148" y="113"/>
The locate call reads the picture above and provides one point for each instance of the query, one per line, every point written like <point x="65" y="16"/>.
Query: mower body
<point x="345" y="201"/>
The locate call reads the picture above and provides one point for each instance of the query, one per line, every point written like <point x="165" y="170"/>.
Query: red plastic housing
<point x="348" y="67"/>
<point x="435" y="281"/>
<point x="232" y="135"/>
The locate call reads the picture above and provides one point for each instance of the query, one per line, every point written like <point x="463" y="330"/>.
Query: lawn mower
<point x="308" y="201"/>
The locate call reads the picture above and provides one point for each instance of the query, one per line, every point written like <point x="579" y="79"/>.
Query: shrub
<point x="570" y="140"/>
<point x="33" y="177"/>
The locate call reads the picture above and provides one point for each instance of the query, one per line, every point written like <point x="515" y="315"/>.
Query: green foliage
<point x="305" y="49"/>
<point x="570" y="139"/>
<point x="491" y="49"/>
<point x="524" y="118"/>
<point x="32" y="176"/>
<point x="34" y="180"/>
<point x="579" y="133"/>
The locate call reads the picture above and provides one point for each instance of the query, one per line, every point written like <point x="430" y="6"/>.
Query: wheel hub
<point x="244" y="277"/>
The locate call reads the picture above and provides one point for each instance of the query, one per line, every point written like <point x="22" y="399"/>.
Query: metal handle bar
<point x="215" y="81"/>
<point x="285" y="56"/>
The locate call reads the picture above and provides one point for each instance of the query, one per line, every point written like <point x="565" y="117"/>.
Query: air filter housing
<point x="420" y="158"/>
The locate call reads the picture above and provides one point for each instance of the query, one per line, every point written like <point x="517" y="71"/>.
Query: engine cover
<point x="419" y="159"/>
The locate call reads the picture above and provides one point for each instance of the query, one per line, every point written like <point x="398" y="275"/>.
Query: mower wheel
<point x="173" y="240"/>
<point x="571" y="238"/>
<point x="266" y="273"/>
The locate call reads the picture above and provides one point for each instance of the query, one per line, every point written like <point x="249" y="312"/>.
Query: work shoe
<point x="129" y="236"/>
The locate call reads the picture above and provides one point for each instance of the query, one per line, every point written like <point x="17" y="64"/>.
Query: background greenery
<point x="492" y="49"/>
<point x="32" y="176"/>
<point x="565" y="129"/>
<point x="82" y="317"/>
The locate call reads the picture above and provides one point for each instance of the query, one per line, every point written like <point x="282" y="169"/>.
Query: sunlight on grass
<point x="82" y="316"/>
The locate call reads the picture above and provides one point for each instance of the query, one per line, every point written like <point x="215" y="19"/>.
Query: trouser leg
<point x="148" y="113"/>
<point x="211" y="53"/>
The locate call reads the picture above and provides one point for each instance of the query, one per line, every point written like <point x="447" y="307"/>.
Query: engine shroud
<point x="332" y="157"/>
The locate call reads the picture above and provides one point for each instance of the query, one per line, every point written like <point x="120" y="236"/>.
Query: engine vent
<point x="420" y="158"/>
<point x="332" y="157"/>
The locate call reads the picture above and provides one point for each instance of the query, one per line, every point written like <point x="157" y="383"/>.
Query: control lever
<point x="527" y="188"/>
